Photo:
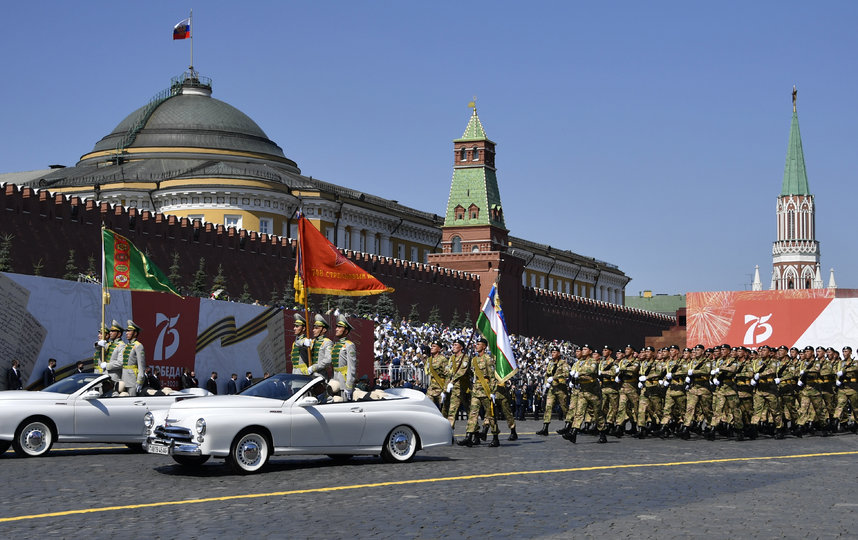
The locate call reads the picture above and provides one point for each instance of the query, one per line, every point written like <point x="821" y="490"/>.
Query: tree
<point x="38" y="266"/>
<point x="274" y="301"/>
<point x="346" y="305"/>
<point x="288" y="299"/>
<point x="72" y="272"/>
<point x="90" y="267"/>
<point x="385" y="308"/>
<point x="6" y="253"/>
<point x="245" y="297"/>
<point x="454" y="321"/>
<point x="363" y="308"/>
<point x="414" y="315"/>
<point x="467" y="323"/>
<point x="219" y="283"/>
<point x="435" y="316"/>
<point x="198" y="287"/>
<point x="175" y="276"/>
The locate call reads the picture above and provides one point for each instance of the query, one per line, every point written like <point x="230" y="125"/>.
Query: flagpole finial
<point x="794" y="96"/>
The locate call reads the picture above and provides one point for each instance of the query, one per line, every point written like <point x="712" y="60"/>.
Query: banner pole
<point x="103" y="297"/>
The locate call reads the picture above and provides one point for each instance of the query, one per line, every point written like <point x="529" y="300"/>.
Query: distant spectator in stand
<point x="15" y="379"/>
<point x="49" y="376"/>
<point x="231" y="387"/>
<point x="211" y="384"/>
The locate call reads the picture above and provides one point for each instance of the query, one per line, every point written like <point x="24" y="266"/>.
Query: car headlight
<point x="148" y="420"/>
<point x="201" y="426"/>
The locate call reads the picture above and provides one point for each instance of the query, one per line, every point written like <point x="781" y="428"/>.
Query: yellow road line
<point x="414" y="481"/>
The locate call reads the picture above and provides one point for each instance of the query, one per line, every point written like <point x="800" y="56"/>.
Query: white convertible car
<point x="288" y="414"/>
<point x="77" y="409"/>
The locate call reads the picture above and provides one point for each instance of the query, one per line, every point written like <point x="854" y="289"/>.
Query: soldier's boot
<point x="834" y="425"/>
<point x="826" y="428"/>
<point x="495" y="442"/>
<point x="796" y="430"/>
<point x="752" y="432"/>
<point x="722" y="427"/>
<point x="485" y="432"/>
<point x="684" y="433"/>
<point x="544" y="430"/>
<point x="696" y="428"/>
<point x="603" y="437"/>
<point x="642" y="432"/>
<point x="619" y="431"/>
<point x="663" y="431"/>
<point x="740" y="435"/>
<point x="709" y="433"/>
<point x="853" y="427"/>
<point x="565" y="429"/>
<point x="781" y="433"/>
<point x="467" y="441"/>
<point x="585" y="428"/>
<point x="475" y="438"/>
<point x="513" y="436"/>
<point x="572" y="435"/>
<point x="634" y="429"/>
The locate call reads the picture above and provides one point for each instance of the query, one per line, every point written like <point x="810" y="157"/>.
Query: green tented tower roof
<point x="795" y="175"/>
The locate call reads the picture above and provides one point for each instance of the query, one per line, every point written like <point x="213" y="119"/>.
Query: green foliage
<point x="288" y="298"/>
<point x="198" y="287"/>
<point x="175" y="275"/>
<point x="454" y="321"/>
<point x="414" y="315"/>
<point x="245" y="297"/>
<point x="346" y="305"/>
<point x="219" y="282"/>
<point x="90" y="267"/>
<point x="467" y="323"/>
<point x="38" y="266"/>
<point x="275" y="298"/>
<point x="385" y="307"/>
<point x="72" y="272"/>
<point x="435" y="316"/>
<point x="364" y="308"/>
<point x="6" y="253"/>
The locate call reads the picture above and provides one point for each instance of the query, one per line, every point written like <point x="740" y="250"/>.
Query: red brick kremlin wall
<point x="46" y="226"/>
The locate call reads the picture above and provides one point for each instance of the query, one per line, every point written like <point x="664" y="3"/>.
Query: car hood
<point x="226" y="402"/>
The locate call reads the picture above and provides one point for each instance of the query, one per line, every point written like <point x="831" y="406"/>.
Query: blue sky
<point x="651" y="135"/>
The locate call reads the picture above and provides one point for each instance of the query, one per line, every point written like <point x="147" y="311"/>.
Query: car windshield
<point x="281" y="386"/>
<point x="72" y="383"/>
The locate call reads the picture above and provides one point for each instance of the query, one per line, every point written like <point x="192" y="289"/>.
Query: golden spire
<point x="473" y="104"/>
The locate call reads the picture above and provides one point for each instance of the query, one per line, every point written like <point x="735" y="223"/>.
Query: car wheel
<point x="4" y="445"/>
<point x="190" y="461"/>
<point x="33" y="438"/>
<point x="249" y="452"/>
<point x="136" y="447"/>
<point x="400" y="445"/>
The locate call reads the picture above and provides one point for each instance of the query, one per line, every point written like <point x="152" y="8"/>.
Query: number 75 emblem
<point x="758" y="323"/>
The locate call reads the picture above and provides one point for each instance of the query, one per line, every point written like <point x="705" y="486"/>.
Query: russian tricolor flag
<point x="182" y="30"/>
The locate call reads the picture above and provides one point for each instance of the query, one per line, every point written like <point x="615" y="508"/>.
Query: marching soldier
<point x="436" y="367"/>
<point x="766" y="402"/>
<point x="847" y="388"/>
<point x="629" y="393"/>
<point x="319" y="348"/>
<point x="300" y="352"/>
<point x="133" y="360"/>
<point x="608" y="373"/>
<point x="786" y="380"/>
<point x="674" y="381"/>
<point x="574" y="392"/>
<point x="812" y="408"/>
<point x="458" y="380"/>
<point x="590" y="396"/>
<point x="649" y="381"/>
<point x="502" y="401"/>
<point x="698" y="396"/>
<point x="344" y="357"/>
<point x="726" y="389"/>
<point x="482" y="395"/>
<point x="828" y="387"/>
<point x="556" y="375"/>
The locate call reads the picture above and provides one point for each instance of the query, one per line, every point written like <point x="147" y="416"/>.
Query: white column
<point x="355" y="243"/>
<point x="341" y="236"/>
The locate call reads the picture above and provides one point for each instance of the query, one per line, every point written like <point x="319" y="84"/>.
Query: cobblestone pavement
<point x="625" y="489"/>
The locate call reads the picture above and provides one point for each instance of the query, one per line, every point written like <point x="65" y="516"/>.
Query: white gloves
<point x="777" y="380"/>
<point x="688" y="380"/>
<point x="839" y="373"/>
<point x="307" y="342"/>
<point x="715" y="371"/>
<point x="550" y="379"/>
<point x="348" y="394"/>
<point x="616" y="379"/>
<point x="665" y="383"/>
<point x="599" y="373"/>
<point x="756" y="376"/>
<point x="669" y="376"/>
<point x="449" y="387"/>
<point x="800" y="373"/>
<point x="753" y="382"/>
<point x="492" y="397"/>
<point x="839" y="383"/>
<point x="103" y="365"/>
<point x="716" y="382"/>
<point x="640" y="385"/>
<point x="642" y="378"/>
<point x="801" y="383"/>
<point x="575" y="374"/>
<point x="690" y="372"/>
<point x="616" y="369"/>
<point x="101" y="343"/>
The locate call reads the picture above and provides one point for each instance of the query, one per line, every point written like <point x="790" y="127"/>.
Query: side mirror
<point x="308" y="402"/>
<point x="91" y="394"/>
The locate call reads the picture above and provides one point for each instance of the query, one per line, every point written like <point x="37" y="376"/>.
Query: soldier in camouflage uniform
<point x="828" y="387"/>
<point x="675" y="399"/>
<point x="812" y="408"/>
<point x="729" y="415"/>
<point x="766" y="401"/>
<point x="502" y="403"/>
<point x="436" y="367"/>
<point x="556" y="376"/>
<point x="609" y="378"/>
<point x="649" y="381"/>
<point x="482" y="395"/>
<point x="847" y="388"/>
<point x="629" y="392"/>
<point x="698" y="395"/>
<point x="786" y="380"/>
<point x="458" y="380"/>
<point x="587" y="376"/>
<point x="744" y="390"/>
<point x="574" y="392"/>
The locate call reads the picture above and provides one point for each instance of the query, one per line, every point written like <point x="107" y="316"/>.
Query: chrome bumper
<point x="169" y="447"/>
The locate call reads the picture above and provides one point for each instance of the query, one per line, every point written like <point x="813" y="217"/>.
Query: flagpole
<point x="103" y="296"/>
<point x="191" y="27"/>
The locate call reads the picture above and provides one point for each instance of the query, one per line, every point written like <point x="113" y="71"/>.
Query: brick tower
<point x="795" y="254"/>
<point x="474" y="235"/>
